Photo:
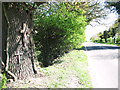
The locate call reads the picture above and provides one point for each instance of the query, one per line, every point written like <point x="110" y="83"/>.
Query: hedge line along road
<point x="102" y="64"/>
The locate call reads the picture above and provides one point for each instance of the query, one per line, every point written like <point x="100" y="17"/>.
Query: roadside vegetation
<point x="3" y="81"/>
<point x="68" y="71"/>
<point x="112" y="36"/>
<point x="58" y="31"/>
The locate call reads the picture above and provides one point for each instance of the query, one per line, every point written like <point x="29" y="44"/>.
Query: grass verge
<point x="71" y="72"/>
<point x="108" y="43"/>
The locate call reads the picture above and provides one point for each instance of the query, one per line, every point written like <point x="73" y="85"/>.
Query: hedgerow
<point x="58" y="31"/>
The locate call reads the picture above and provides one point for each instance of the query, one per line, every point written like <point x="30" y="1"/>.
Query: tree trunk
<point x="100" y="40"/>
<point x="18" y="48"/>
<point x="105" y="39"/>
<point x="114" y="39"/>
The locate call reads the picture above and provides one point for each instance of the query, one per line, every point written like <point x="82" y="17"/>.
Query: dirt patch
<point x="73" y="82"/>
<point x="30" y="83"/>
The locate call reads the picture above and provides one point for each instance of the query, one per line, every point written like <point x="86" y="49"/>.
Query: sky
<point x="108" y="21"/>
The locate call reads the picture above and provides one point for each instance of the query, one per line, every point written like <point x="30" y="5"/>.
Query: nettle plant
<point x="59" y="29"/>
<point x="3" y="81"/>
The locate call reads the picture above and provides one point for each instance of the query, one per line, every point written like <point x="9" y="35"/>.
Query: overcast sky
<point x="109" y="21"/>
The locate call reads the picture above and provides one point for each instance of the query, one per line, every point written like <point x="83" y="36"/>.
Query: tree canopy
<point x="59" y="30"/>
<point x="60" y="26"/>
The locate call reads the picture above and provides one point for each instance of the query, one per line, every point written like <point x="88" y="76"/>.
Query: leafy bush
<point x="3" y="81"/>
<point x="58" y="32"/>
<point x="92" y="39"/>
<point x="118" y="40"/>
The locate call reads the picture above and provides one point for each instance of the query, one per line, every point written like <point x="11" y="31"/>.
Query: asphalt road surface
<point x="102" y="64"/>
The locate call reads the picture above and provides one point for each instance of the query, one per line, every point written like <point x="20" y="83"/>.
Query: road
<point x="102" y="64"/>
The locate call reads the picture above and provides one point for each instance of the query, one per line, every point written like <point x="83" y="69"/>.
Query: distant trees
<point x="112" y="34"/>
<point x="106" y="35"/>
<point x="101" y="36"/>
<point x="115" y="4"/>
<point x="116" y="27"/>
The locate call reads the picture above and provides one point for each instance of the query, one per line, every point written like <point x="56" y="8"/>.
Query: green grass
<point x="68" y="71"/>
<point x="72" y="68"/>
<point x="108" y="43"/>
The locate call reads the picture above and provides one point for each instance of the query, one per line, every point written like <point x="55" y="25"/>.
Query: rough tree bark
<point x="18" y="48"/>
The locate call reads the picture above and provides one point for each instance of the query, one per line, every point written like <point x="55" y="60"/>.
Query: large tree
<point x="18" y="47"/>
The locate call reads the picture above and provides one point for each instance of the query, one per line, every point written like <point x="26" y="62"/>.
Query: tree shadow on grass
<point x="58" y="61"/>
<point x="89" y="48"/>
<point x="55" y="60"/>
<point x="82" y="48"/>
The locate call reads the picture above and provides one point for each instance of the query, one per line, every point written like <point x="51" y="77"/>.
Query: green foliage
<point x="106" y="35"/>
<point x="112" y="35"/>
<point x="115" y="4"/>
<point x="59" y="31"/>
<point x="92" y="39"/>
<point x="3" y="82"/>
